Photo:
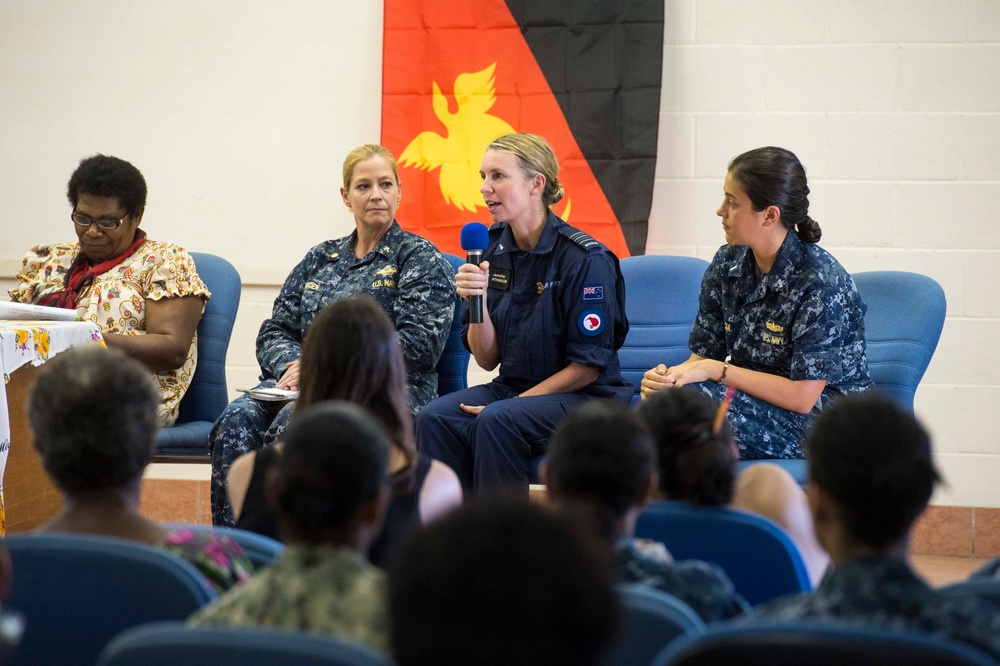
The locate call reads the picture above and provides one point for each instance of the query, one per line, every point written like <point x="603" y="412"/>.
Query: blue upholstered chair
<point x="173" y="643"/>
<point x="661" y="301"/>
<point x="76" y="592"/>
<point x="650" y="620"/>
<point x="259" y="549"/>
<point x="453" y="368"/>
<point x="208" y="394"/>
<point x="816" y="644"/>
<point x="902" y="326"/>
<point x="756" y="554"/>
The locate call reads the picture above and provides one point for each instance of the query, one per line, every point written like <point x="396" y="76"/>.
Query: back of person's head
<point x="351" y="352"/>
<point x="535" y="156"/>
<point x="501" y="582"/>
<point x="332" y="465"/>
<point x="873" y="459"/>
<point x="601" y="453"/>
<point x="93" y="413"/>
<point x="773" y="176"/>
<point x="106" y="176"/>
<point x="696" y="462"/>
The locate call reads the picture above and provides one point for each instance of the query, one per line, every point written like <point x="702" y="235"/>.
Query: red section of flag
<point x="435" y="41"/>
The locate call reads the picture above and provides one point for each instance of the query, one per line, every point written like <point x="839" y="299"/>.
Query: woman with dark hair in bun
<point x="779" y="319"/>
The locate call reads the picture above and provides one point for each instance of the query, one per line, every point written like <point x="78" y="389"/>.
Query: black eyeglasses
<point x="104" y="223"/>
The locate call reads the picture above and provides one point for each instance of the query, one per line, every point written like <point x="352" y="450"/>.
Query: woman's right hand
<point x="655" y="379"/>
<point x="290" y="378"/>
<point x="472" y="280"/>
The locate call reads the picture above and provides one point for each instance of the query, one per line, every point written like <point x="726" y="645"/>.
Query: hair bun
<point x="809" y="231"/>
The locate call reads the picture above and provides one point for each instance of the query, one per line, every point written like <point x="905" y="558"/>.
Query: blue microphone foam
<point x="475" y="236"/>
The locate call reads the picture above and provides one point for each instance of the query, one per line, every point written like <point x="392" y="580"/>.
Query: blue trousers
<point x="245" y="425"/>
<point x="492" y="451"/>
<point x="763" y="431"/>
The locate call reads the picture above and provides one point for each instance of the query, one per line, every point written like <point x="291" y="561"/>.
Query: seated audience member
<point x="405" y="274"/>
<point x="778" y="316"/>
<point x="351" y="353"/>
<point x="871" y="475"/>
<point x="331" y="491"/>
<point x="601" y="460"/>
<point x="698" y="465"/>
<point x="93" y="413"/>
<point x="144" y="295"/>
<point x="501" y="582"/>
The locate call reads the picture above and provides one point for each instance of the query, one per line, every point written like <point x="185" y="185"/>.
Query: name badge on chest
<point x="500" y="279"/>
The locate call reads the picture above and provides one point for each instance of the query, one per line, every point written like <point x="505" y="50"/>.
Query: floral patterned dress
<point x="217" y="557"/>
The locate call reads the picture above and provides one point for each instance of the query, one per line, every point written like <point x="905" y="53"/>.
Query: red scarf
<point x="81" y="275"/>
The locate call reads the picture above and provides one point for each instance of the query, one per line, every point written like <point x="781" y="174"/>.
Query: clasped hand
<point x="661" y="377"/>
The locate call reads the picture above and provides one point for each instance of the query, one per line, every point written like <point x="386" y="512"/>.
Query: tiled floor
<point x="941" y="570"/>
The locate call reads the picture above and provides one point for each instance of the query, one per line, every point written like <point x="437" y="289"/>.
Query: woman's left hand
<point x="694" y="372"/>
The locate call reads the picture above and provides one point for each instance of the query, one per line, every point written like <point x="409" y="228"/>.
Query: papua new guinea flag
<point x="585" y="74"/>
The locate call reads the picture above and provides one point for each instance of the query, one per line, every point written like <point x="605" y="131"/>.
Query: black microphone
<point x="475" y="238"/>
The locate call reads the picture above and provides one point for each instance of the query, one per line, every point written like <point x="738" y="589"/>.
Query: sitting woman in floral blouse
<point x="144" y="295"/>
<point x="93" y="414"/>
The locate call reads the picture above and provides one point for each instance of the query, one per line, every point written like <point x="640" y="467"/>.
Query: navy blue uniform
<point x="559" y="303"/>
<point x="804" y="319"/>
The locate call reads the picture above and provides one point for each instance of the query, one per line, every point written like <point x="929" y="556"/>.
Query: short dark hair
<point x="773" y="176"/>
<point x="874" y="459"/>
<point x="106" y="176"/>
<point x="502" y="582"/>
<point x="351" y="352"/>
<point x="333" y="460"/>
<point x="601" y="452"/>
<point x="696" y="464"/>
<point x="93" y="413"/>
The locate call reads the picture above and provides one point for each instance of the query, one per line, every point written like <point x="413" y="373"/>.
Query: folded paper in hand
<point x="271" y="394"/>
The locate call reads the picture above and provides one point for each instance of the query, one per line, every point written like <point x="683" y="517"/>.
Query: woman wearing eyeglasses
<point x="144" y="295"/>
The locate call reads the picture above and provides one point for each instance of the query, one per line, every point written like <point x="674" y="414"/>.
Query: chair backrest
<point x="661" y="302"/>
<point x="987" y="590"/>
<point x="172" y="643"/>
<point x="816" y="645"/>
<point x="453" y="368"/>
<point x="76" y="592"/>
<point x="260" y="550"/>
<point x="208" y="394"/>
<point x="650" y="620"/>
<point x="756" y="554"/>
<point x="902" y="326"/>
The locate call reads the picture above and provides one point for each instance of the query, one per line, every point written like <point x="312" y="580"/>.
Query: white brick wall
<point x="894" y="108"/>
<point x="239" y="115"/>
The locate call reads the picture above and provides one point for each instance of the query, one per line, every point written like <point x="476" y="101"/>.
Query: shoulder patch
<point x="586" y="241"/>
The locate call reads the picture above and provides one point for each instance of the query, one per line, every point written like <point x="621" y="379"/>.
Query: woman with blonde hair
<point x="406" y="275"/>
<point x="553" y="320"/>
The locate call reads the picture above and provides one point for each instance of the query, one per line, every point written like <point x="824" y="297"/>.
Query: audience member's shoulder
<point x="48" y="251"/>
<point x="218" y="557"/>
<point x="989" y="571"/>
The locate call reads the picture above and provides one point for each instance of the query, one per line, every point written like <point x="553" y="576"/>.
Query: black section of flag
<point x="603" y="60"/>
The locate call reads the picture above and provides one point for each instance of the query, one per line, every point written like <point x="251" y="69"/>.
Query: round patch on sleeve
<point x="591" y="322"/>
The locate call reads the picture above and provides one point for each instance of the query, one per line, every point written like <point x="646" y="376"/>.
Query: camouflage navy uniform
<point x="405" y="274"/>
<point x="882" y="592"/>
<point x="804" y="319"/>
<point x="323" y="589"/>
<point x="561" y="302"/>
<point x="701" y="585"/>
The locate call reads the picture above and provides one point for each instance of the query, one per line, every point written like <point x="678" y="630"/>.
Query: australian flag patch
<point x="593" y="292"/>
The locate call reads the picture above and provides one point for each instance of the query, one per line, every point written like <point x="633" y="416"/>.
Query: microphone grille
<point x="475" y="236"/>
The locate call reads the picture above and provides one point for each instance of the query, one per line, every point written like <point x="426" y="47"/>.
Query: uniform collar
<point x="386" y="245"/>
<point x="546" y="242"/>
<point x="789" y="254"/>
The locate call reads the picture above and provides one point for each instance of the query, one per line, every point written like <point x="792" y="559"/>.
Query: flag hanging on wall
<point x="585" y="74"/>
